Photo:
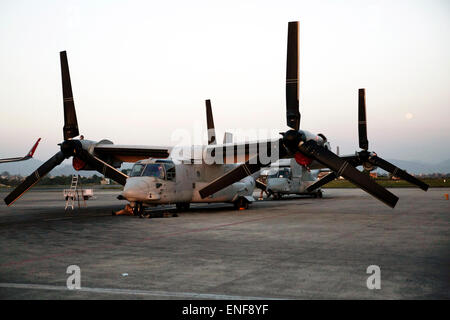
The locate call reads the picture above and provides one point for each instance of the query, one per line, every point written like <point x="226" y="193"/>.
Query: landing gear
<point x="241" y="204"/>
<point x="318" y="194"/>
<point x="277" y="195"/>
<point x="138" y="209"/>
<point x="183" y="206"/>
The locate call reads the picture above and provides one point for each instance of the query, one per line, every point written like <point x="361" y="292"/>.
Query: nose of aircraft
<point x="135" y="190"/>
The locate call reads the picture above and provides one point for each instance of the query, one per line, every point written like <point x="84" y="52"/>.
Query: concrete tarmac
<point x="297" y="248"/>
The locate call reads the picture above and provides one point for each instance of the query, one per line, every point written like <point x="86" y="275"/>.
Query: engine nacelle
<point x="302" y="159"/>
<point x="323" y="137"/>
<point x="78" y="164"/>
<point x="292" y="137"/>
<point x="89" y="145"/>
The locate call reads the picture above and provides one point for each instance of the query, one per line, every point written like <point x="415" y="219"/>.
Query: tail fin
<point x="33" y="149"/>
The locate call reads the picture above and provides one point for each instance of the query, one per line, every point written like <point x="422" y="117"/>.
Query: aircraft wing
<point x="243" y="151"/>
<point x="26" y="157"/>
<point x="131" y="153"/>
<point x="352" y="159"/>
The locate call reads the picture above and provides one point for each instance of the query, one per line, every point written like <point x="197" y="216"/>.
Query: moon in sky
<point x="409" y="116"/>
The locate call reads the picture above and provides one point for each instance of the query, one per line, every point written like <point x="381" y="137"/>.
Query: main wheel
<point x="277" y="196"/>
<point x="183" y="206"/>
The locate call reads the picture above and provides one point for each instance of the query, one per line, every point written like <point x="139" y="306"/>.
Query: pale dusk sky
<point x="141" y="69"/>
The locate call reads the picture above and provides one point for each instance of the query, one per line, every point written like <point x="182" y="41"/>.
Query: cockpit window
<point x="281" y="173"/>
<point x="284" y="173"/>
<point x="273" y="173"/>
<point x="170" y="171"/>
<point x="137" y="170"/>
<point x="154" y="170"/>
<point x="164" y="170"/>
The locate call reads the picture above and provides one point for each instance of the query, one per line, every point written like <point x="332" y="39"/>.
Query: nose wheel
<point x="241" y="204"/>
<point x="138" y="209"/>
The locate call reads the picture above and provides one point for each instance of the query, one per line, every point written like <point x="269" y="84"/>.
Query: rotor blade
<point x="345" y="169"/>
<point x="210" y="123"/>
<point x="292" y="77"/>
<point x="321" y="182"/>
<point x="235" y="175"/>
<point x="33" y="178"/>
<point x="396" y="171"/>
<point x="362" y="123"/>
<point x="102" y="167"/>
<point x="70" y="128"/>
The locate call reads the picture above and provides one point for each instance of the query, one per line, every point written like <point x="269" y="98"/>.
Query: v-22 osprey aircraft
<point x="287" y="177"/>
<point x="168" y="181"/>
<point x="210" y="173"/>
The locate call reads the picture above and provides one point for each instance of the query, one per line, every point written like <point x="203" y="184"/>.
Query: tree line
<point x="6" y="179"/>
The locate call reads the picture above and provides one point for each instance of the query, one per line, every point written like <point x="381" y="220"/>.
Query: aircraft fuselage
<point x="157" y="181"/>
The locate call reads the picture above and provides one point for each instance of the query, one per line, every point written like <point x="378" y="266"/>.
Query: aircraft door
<point x="184" y="187"/>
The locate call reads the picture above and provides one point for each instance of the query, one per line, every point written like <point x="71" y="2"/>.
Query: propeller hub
<point x="70" y="147"/>
<point x="364" y="155"/>
<point x="292" y="138"/>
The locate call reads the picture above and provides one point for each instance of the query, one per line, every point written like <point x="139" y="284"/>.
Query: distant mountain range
<point x="24" y="168"/>
<point x="417" y="167"/>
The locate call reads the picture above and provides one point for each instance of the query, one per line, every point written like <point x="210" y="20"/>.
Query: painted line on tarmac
<point x="78" y="217"/>
<point x="134" y="292"/>
<point x="56" y="219"/>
